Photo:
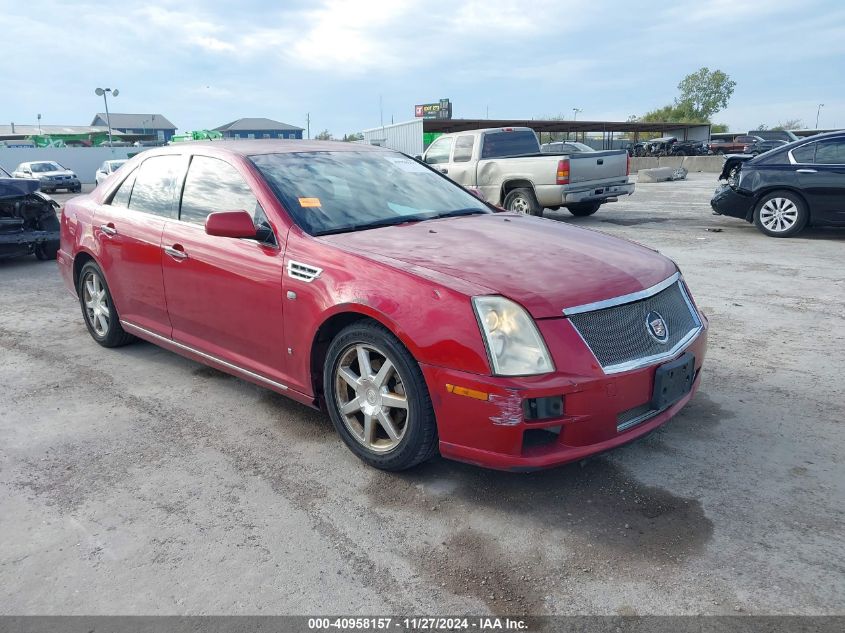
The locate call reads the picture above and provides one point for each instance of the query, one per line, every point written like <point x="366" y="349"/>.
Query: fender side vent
<point x="303" y="272"/>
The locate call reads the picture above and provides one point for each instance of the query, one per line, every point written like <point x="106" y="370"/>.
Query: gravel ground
<point x="134" y="481"/>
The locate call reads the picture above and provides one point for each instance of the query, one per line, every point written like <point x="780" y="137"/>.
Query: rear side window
<point x="463" y="149"/>
<point x="509" y="144"/>
<point x="214" y="185"/>
<point x="439" y="151"/>
<point x="831" y="152"/>
<point x="121" y="196"/>
<point x="155" y="185"/>
<point x="805" y="153"/>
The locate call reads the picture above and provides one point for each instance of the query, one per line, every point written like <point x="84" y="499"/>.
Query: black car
<point x="787" y="188"/>
<point x="28" y="222"/>
<point x="763" y="146"/>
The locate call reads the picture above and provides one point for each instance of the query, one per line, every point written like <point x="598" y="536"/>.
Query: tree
<point x="789" y="124"/>
<point x="705" y="92"/>
<point x="355" y="136"/>
<point x="325" y="135"/>
<point x="718" y="128"/>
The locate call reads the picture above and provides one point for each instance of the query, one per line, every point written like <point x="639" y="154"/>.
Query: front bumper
<point x="732" y="202"/>
<point x="71" y="184"/>
<point x="495" y="434"/>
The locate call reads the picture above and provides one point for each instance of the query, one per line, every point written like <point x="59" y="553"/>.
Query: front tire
<point x="523" y="201"/>
<point x="583" y="209"/>
<point x="781" y="214"/>
<point x="377" y="398"/>
<point x="46" y="251"/>
<point x="98" y="309"/>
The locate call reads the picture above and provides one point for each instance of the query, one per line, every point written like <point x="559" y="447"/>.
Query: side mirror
<point x="418" y="157"/>
<point x="230" y="224"/>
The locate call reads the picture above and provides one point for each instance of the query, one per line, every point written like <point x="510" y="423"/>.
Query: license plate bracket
<point x="672" y="381"/>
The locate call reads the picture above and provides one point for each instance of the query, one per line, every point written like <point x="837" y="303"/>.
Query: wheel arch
<point x="516" y="183"/>
<point x="334" y="321"/>
<point x="81" y="258"/>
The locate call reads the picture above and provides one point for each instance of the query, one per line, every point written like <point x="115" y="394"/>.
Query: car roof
<point x="255" y="147"/>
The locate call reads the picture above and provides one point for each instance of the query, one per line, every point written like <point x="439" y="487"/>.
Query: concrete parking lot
<point x="134" y="481"/>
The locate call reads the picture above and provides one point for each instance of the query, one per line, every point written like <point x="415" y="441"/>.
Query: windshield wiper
<point x="458" y="212"/>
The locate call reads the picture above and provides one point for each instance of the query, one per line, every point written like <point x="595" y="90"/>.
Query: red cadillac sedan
<point x="355" y="279"/>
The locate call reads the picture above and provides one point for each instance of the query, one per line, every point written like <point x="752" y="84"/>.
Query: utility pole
<point x="818" y="110"/>
<point x="308" y="124"/>
<point x="39" y="124"/>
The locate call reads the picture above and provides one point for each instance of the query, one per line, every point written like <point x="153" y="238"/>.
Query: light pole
<point x="818" y="110"/>
<point x="101" y="92"/>
<point x="39" y="124"/>
<point x="575" y="112"/>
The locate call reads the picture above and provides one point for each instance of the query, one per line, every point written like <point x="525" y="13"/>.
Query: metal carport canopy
<point x="541" y="125"/>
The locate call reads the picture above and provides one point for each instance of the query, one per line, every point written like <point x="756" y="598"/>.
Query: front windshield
<point x="333" y="192"/>
<point x="114" y="165"/>
<point x="4" y="173"/>
<point x="42" y="167"/>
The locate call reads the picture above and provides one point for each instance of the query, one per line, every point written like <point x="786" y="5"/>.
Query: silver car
<point x="51" y="175"/>
<point x="107" y="169"/>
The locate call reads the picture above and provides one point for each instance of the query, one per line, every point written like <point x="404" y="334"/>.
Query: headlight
<point x="514" y="344"/>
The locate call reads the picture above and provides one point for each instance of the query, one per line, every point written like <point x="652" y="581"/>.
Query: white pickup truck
<point x="506" y="165"/>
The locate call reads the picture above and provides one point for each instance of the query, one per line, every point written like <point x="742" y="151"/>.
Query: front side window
<point x="121" y="196"/>
<point x="805" y="153"/>
<point x="155" y="185"/>
<point x="333" y="192"/>
<point x="439" y="151"/>
<point x="831" y="152"/>
<point x="214" y="185"/>
<point x="463" y="149"/>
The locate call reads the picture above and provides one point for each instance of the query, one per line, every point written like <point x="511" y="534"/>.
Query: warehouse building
<point x="259" y="128"/>
<point x="141" y="126"/>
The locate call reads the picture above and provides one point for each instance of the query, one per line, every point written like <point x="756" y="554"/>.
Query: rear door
<point x="128" y="230"/>
<point x="224" y="295"/>
<point x="461" y="167"/>
<point x="824" y="181"/>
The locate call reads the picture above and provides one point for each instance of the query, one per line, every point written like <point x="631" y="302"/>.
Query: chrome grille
<point x="618" y="335"/>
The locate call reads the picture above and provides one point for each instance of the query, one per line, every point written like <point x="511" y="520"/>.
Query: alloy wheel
<point x="96" y="302"/>
<point x="520" y="205"/>
<point x="371" y="397"/>
<point x="778" y="214"/>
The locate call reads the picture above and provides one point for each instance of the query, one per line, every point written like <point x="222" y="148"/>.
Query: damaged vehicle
<point x="788" y="188"/>
<point x="28" y="221"/>
<point x="421" y="318"/>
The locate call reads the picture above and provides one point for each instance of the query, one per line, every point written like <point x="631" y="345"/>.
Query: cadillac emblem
<point x="657" y="328"/>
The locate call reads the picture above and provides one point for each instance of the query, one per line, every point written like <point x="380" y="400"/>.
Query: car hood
<point x="545" y="265"/>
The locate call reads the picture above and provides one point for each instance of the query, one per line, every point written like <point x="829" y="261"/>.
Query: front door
<point x="128" y="229"/>
<point x="224" y="295"/>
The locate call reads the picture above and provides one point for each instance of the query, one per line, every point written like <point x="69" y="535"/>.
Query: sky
<point x="203" y="64"/>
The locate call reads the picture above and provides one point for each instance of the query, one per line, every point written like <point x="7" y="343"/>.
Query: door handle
<point x="176" y="252"/>
<point x="806" y="171"/>
<point x="108" y="229"/>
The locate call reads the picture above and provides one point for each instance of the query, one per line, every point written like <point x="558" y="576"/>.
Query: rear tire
<point x="98" y="309"/>
<point x="382" y="412"/>
<point x="781" y="214"/>
<point x="583" y="209"/>
<point x="523" y="201"/>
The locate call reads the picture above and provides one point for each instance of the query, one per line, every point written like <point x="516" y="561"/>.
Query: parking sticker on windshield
<point x="309" y="202"/>
<point x="406" y="164"/>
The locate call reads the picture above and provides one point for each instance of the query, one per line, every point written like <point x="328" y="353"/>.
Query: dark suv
<point x="788" y="188"/>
